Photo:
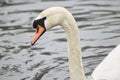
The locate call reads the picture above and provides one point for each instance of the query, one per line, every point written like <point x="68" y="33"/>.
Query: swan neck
<point x="74" y="51"/>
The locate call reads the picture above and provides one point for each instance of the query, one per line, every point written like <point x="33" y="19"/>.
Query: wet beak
<point x="39" y="31"/>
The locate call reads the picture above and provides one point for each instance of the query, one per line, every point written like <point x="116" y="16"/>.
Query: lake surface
<point x="99" y="26"/>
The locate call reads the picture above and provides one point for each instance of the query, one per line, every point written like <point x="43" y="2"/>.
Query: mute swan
<point x="108" y="69"/>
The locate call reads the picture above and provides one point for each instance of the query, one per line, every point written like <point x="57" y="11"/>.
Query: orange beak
<point x="39" y="31"/>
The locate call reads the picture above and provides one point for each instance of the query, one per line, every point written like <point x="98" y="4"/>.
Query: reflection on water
<point x="98" y="22"/>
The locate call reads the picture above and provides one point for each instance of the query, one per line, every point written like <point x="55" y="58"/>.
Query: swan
<point x="108" y="69"/>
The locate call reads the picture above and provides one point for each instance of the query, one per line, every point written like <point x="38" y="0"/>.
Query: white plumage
<point x="108" y="69"/>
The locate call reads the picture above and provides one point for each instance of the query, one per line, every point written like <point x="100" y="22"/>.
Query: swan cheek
<point x="39" y="31"/>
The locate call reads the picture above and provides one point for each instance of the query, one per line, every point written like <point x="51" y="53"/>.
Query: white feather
<point x="108" y="69"/>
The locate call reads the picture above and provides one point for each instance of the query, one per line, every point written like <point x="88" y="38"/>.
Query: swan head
<point x="47" y="19"/>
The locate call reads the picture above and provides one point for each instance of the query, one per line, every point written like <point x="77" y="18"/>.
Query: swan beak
<point x="39" y="31"/>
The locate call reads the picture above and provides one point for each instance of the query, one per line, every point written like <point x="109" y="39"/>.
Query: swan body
<point x="109" y="68"/>
<point x="60" y="16"/>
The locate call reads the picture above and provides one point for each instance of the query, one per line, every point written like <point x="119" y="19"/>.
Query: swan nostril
<point x="34" y="24"/>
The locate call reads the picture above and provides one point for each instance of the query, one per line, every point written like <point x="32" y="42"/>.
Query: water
<point x="99" y="26"/>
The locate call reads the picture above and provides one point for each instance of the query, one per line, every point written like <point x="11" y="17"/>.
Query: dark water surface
<point x="99" y="26"/>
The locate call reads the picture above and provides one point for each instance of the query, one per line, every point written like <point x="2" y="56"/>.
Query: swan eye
<point x="39" y="22"/>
